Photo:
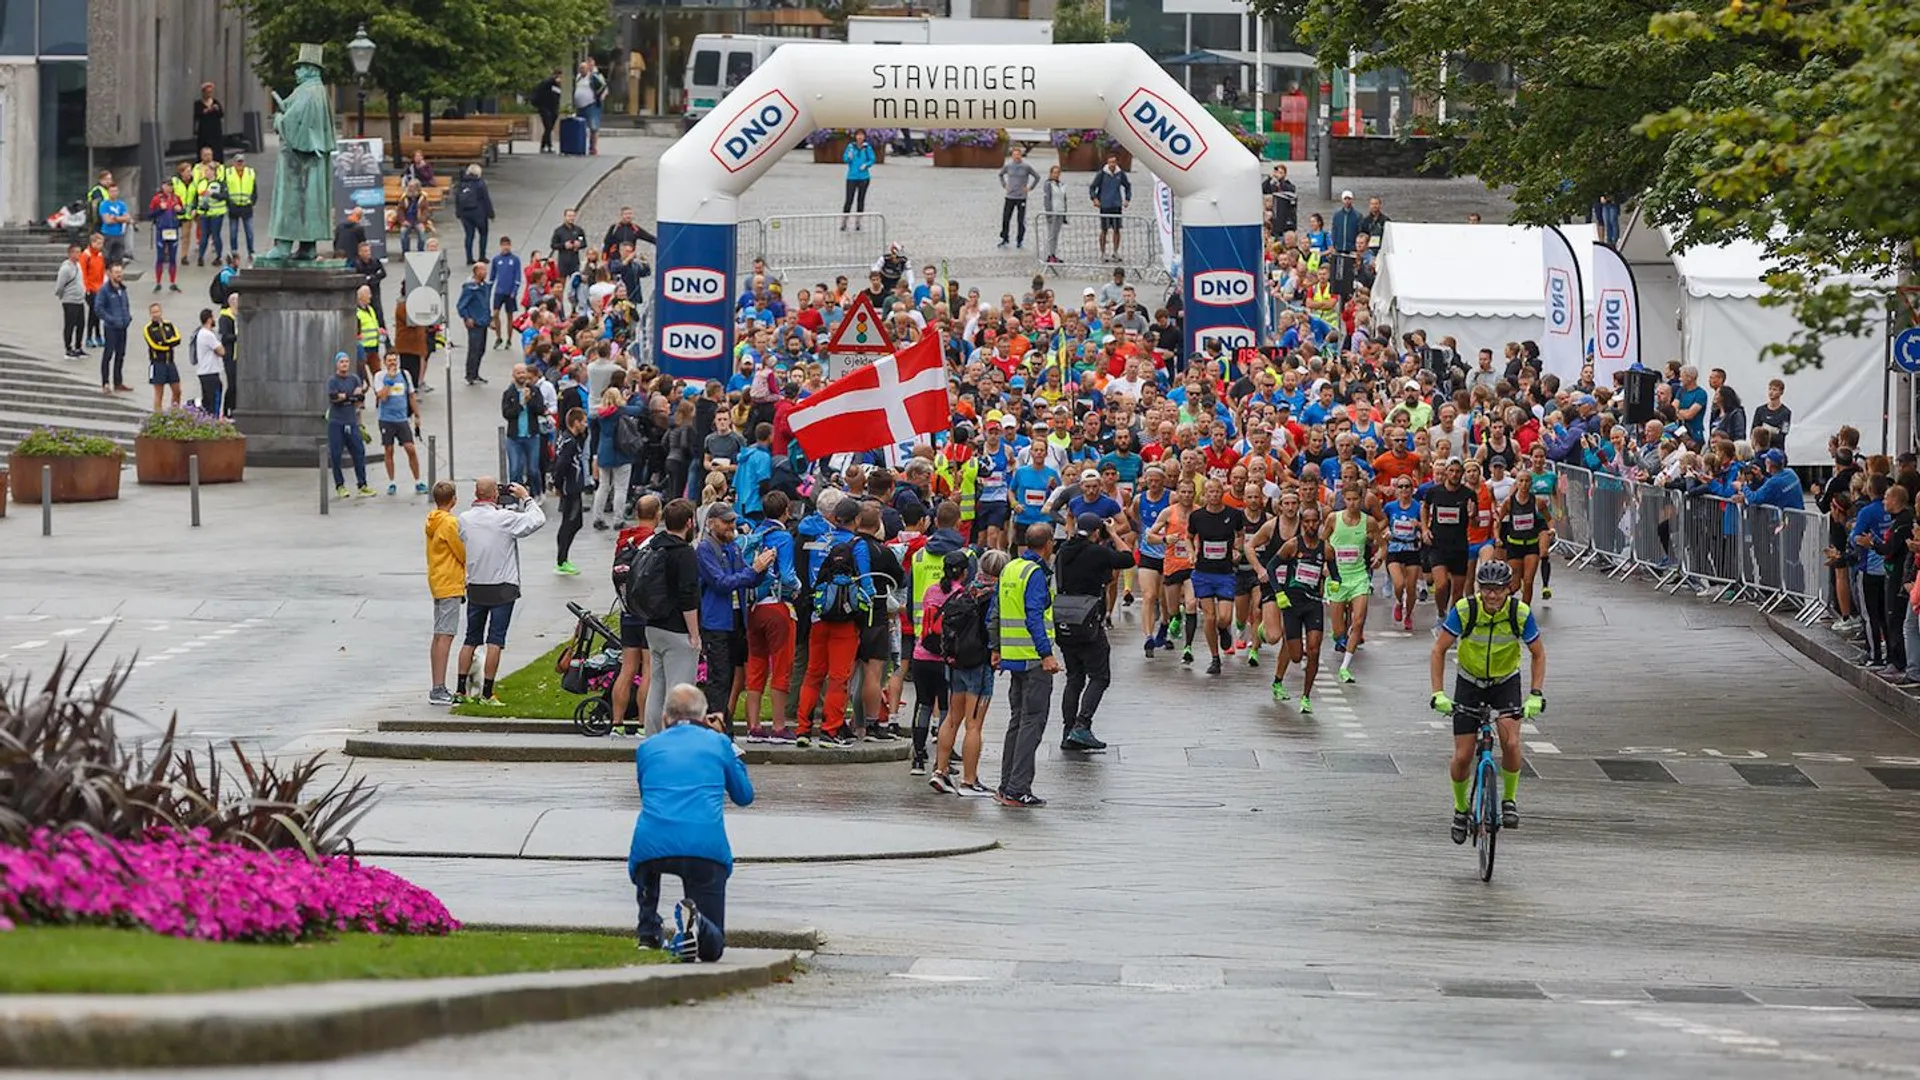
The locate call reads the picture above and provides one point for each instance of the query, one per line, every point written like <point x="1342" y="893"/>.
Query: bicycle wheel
<point x="594" y="717"/>
<point x="1488" y="803"/>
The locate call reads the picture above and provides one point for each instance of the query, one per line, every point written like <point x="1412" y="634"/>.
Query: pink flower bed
<point x="182" y="885"/>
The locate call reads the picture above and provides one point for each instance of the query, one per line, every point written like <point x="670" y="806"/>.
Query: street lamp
<point x="360" y="51"/>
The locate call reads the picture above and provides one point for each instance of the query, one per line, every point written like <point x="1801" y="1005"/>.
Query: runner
<point x="1246" y="583"/>
<point x="1355" y="538"/>
<point x="1403" y="549"/>
<point x="1303" y="567"/>
<point x="1525" y="532"/>
<point x="1446" y="507"/>
<point x="1263" y="554"/>
<point x="995" y="474"/>
<point x="1480" y="515"/>
<point x="1215" y="529"/>
<point x="1169" y="531"/>
<point x="1546" y="485"/>
<point x="1150" y="557"/>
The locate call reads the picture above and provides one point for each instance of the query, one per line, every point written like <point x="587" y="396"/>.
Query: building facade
<point x="110" y="84"/>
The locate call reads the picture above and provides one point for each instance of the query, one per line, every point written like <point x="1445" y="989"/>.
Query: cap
<point x="1774" y="456"/>
<point x="1283" y="404"/>
<point x="1585" y="399"/>
<point x="1107" y="339"/>
<point x="1346" y="194"/>
<point x="339" y="356"/>
<point x="1088" y="291"/>
<point x="1090" y="523"/>
<point x="720" y="512"/>
<point x="1089" y="474"/>
<point x="994" y="416"/>
<point x="1017" y="383"/>
<point x="1410" y="384"/>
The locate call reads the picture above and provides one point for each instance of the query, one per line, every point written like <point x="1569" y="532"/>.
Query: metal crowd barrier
<point x="1079" y="245"/>
<point x="1722" y="550"/>
<point x="813" y="244"/>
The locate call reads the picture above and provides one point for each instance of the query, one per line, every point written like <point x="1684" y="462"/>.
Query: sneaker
<point x="1398" y="611"/>
<point x="919" y="766"/>
<point x="419" y="488"/>
<point x="1409" y="623"/>
<point x="1213" y="666"/>
<point x="1149" y="646"/>
<point x="366" y="492"/>
<point x="780" y="737"/>
<point x="1126" y="598"/>
<point x="441" y="696"/>
<point x="940" y="783"/>
<point x="1173" y="626"/>
<point x="491" y="701"/>
<point x="803" y="740"/>
<point x="840" y="741"/>
<point x="1546" y="593"/>
<point x="1346" y="675"/>
<point x="599" y="526"/>
<point x="1306" y="705"/>
<point x="567" y="569"/>
<point x="879" y="733"/>
<point x="341" y="492"/>
<point x="393" y="489"/>
<point x="758" y="735"/>
<point x="1029" y="801"/>
<point x="1340" y="643"/>
<point x="1253" y="655"/>
<point x="1186" y="655"/>
<point x="1509" y="814"/>
<point x="974" y="790"/>
<point x="1279" y="691"/>
<point x="686" y="932"/>
<point x="1082" y="738"/>
<point x="1002" y="245"/>
<point x="1459" y="830"/>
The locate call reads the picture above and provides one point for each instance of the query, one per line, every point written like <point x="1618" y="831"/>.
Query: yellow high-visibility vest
<point x="1016" y="642"/>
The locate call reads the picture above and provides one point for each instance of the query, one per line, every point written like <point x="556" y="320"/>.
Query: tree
<point x="1082" y="21"/>
<point x="1818" y="162"/>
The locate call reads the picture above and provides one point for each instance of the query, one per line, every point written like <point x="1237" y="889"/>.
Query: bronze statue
<point x="303" y="184"/>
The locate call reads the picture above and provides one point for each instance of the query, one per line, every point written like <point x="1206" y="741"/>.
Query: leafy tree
<point x="1082" y="21"/>
<point x="1818" y="161"/>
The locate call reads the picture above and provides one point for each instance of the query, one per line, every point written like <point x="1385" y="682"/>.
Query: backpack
<point x="963" y="627"/>
<point x="626" y="548"/>
<point x="841" y="591"/>
<point x="466" y="198"/>
<point x="630" y="436"/>
<point x="220" y="288"/>
<point x="647" y="592"/>
<point x="1470" y="618"/>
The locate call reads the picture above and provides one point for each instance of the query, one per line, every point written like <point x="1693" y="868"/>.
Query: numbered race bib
<point x="1346" y="554"/>
<point x="1484" y="517"/>
<point x="1213" y="549"/>
<point x="1036" y="499"/>
<point x="1177" y="548"/>
<point x="1404" y="528"/>
<point x="169" y="235"/>
<point x="1522" y="522"/>
<point x="1446" y="515"/>
<point x="1307" y="574"/>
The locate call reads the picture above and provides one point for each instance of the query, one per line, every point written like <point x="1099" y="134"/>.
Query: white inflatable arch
<point x="808" y="85"/>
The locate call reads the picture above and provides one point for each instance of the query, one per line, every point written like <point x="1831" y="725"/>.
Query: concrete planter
<point x="75" y="479"/>
<point x="164" y="461"/>
<point x="828" y="153"/>
<point x="970" y="157"/>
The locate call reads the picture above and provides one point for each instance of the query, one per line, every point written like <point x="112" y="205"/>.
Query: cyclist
<point x="1490" y="628"/>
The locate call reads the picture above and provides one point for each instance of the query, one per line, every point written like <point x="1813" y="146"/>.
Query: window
<point x="17" y="33"/>
<point x="63" y="27"/>
<point x="63" y="133"/>
<point x="739" y="66"/>
<point x="706" y="68"/>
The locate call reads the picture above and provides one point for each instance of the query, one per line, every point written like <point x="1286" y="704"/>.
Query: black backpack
<point x="630" y="436"/>
<point x="963" y="627"/>
<point x="648" y="594"/>
<point x="841" y="592"/>
<point x="466" y="198"/>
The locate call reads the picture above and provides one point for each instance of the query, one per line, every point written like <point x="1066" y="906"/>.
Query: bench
<point x="1029" y="137"/>
<point x="450" y="153"/>
<point x="500" y="129"/>
<point x="395" y="188"/>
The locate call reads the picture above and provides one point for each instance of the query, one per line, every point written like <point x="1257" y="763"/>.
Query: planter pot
<point x="828" y="153"/>
<point x="969" y="157"/>
<point x="75" y="479"/>
<point x="1089" y="157"/>
<point x="3" y="493"/>
<point x="164" y="461"/>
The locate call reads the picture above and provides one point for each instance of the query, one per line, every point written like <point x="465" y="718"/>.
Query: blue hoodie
<point x="726" y="580"/>
<point x="1782" y="489"/>
<point x="783" y="583"/>
<point x="685" y="774"/>
<point x="1871" y="522"/>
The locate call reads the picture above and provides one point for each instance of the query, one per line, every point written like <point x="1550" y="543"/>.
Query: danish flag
<point x="892" y="400"/>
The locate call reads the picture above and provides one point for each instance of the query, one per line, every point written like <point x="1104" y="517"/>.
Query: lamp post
<point x="360" y="51"/>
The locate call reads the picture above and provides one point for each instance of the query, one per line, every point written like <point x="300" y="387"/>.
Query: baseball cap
<point x="1410" y="384"/>
<point x="1089" y="474"/>
<point x="1585" y="399"/>
<point x="339" y="356"/>
<point x="1017" y="383"/>
<point x="1774" y="456"/>
<point x="1107" y="340"/>
<point x="720" y="512"/>
<point x="1283" y="404"/>
<point x="1088" y="291"/>
<point x="1089" y="523"/>
<point x="1346" y="194"/>
<point x="994" y="416"/>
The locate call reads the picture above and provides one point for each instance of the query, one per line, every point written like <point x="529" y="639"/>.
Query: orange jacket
<point x="93" y="269"/>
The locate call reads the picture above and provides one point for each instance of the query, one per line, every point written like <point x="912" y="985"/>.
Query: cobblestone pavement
<point x="1714" y="878"/>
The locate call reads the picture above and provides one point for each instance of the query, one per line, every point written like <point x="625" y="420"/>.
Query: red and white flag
<point x="892" y="400"/>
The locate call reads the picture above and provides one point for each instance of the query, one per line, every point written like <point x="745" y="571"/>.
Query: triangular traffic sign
<point x="427" y="268"/>
<point x="860" y="330"/>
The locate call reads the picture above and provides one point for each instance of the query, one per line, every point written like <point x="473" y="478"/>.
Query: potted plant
<point x="968" y="148"/>
<point x="86" y="468"/>
<point x="170" y="437"/>
<point x="1086" y="149"/>
<point x="1237" y="127"/>
<point x="827" y="143"/>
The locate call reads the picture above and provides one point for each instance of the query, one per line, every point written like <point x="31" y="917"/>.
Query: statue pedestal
<point x="292" y="322"/>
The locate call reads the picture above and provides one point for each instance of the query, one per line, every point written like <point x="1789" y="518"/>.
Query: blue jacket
<point x="1344" y="228"/>
<point x="608" y="454"/>
<point x="725" y="580"/>
<point x="783" y="578"/>
<point x="755" y="465"/>
<point x="475" y="303"/>
<point x="859" y="161"/>
<point x="1038" y="597"/>
<point x="1782" y="489"/>
<point x="1111" y="190"/>
<point x="113" y="307"/>
<point x="684" y="775"/>
<point x="1870" y="522"/>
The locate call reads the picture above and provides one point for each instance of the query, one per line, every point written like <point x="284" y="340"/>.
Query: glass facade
<point x="63" y="27"/>
<point x="63" y="133"/>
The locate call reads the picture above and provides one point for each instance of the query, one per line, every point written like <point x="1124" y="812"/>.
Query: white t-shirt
<point x="1123" y="385"/>
<point x="583" y="94"/>
<point x="206" y="353"/>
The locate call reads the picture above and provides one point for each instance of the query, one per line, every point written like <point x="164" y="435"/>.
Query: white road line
<point x="1349" y="723"/>
<point x="1541" y="747"/>
<point x="70" y="631"/>
<point x="1354" y="734"/>
<point x="954" y="969"/>
<point x="30" y="644"/>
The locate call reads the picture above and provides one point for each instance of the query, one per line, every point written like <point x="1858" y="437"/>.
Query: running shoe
<point x="440" y="695"/>
<point x="1409" y="623"/>
<point x="1346" y="675"/>
<point x="1459" y="830"/>
<point x="1149" y="644"/>
<point x="1173" y="625"/>
<point x="1029" y="801"/>
<point x="1509" y="814"/>
<point x="781" y="737"/>
<point x="1213" y="666"/>
<point x="1340" y="643"/>
<point x="366" y="492"/>
<point x="803" y="740"/>
<point x="759" y="734"/>
<point x="1546" y="593"/>
<point x="879" y="733"/>
<point x="919" y="766"/>
<point x="419" y="487"/>
<point x="1279" y="691"/>
<point x="393" y="489"/>
<point x="491" y="702"/>
<point x="566" y="569"/>
<point x="1253" y="654"/>
<point x="1186" y="655"/>
<point x="1306" y="705"/>
<point x="685" y="945"/>
<point x="1126" y="599"/>
<point x="974" y="790"/>
<point x="341" y="492"/>
<point x="1082" y="738"/>
<point x="1398" y="611"/>
<point x="942" y="784"/>
<point x="839" y="741"/>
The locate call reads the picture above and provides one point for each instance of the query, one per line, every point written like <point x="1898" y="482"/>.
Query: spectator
<point x="1111" y="192"/>
<point x="1775" y="414"/>
<point x="522" y="406"/>
<point x="209" y="363"/>
<point x="635" y="663"/>
<point x="570" y="483"/>
<point x="589" y="96"/>
<point x="209" y="120"/>
<point x="680" y="775"/>
<point x="1347" y="225"/>
<point x="727" y="580"/>
<point x="346" y="393"/>
<point x="347" y="236"/>
<point x="1690" y="404"/>
<point x="163" y="370"/>
<point x="1017" y="178"/>
<point x="114" y="223"/>
<point x="447" y="581"/>
<point x="673" y="628"/>
<point x="492" y="534"/>
<point x="546" y="100"/>
<point x="93" y="274"/>
<point x="241" y="181"/>
<point x="1053" y="212"/>
<point x="859" y="159"/>
<point x="623" y="233"/>
<point x="473" y="208"/>
<point x="475" y="309"/>
<point x="568" y="241"/>
<point x="70" y="288"/>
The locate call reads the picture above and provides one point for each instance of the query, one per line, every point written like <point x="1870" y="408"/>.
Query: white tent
<point x="1478" y="284"/>
<point x="1726" y="327"/>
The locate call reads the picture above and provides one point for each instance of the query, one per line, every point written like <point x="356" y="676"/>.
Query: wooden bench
<point x="500" y="129"/>
<point x="395" y="187"/>
<point x="451" y="153"/>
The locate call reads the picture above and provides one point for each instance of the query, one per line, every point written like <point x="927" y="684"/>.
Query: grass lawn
<point x="99" y="960"/>
<point x="531" y="693"/>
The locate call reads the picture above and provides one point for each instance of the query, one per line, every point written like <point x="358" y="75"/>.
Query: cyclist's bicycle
<point x="1483" y="802"/>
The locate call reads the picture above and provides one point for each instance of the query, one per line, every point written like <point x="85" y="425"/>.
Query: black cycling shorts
<point x="1154" y="563"/>
<point x="1455" y="562"/>
<point x="1179" y="577"/>
<point x="1301" y="619"/>
<point x="1503" y="697"/>
<point x="1244" y="580"/>
<point x="1406" y="558"/>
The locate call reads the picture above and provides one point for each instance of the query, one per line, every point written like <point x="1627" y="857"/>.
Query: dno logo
<point x="1559" y="302"/>
<point x="690" y="341"/>
<point x="694" y="285"/>
<point x="760" y="127"/>
<point x="1222" y="288"/>
<point x="1613" y="336"/>
<point x="1162" y="127"/>
<point x="1229" y="337"/>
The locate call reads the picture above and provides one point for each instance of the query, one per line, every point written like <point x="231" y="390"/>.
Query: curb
<point x="368" y="851"/>
<point x="1818" y="651"/>
<point x="481" y="725"/>
<point x="324" y="1021"/>
<point x="455" y="747"/>
<point x="804" y="939"/>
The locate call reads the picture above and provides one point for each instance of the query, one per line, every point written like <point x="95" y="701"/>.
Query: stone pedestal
<point x="292" y="322"/>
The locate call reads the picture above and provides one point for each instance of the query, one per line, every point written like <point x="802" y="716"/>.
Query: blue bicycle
<point x="1483" y="803"/>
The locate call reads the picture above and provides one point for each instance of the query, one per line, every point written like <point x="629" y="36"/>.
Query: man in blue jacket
<point x="682" y="774"/>
<point x="1020" y="624"/>
<point x="1781" y="488"/>
<point x="726" y="590"/>
<point x="475" y="308"/>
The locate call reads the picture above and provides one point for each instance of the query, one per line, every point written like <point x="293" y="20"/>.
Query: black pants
<point x="73" y="321"/>
<point x="211" y="400"/>
<point x="1873" y="597"/>
<point x="93" y="318"/>
<point x="1009" y="208"/>
<point x="1895" y="601"/>
<point x="572" y="513"/>
<point x="547" y="120"/>
<point x="113" y="358"/>
<point x="476" y="348"/>
<point x="1089" y="670"/>
<point x="228" y="392"/>
<point x="718" y="650"/>
<point x="705" y="883"/>
<point x="929" y="701"/>
<point x="856" y="195"/>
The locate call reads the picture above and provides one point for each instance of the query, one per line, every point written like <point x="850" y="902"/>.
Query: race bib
<point x="1346" y="554"/>
<point x="1177" y="548"/>
<point x="169" y="235"/>
<point x="1213" y="549"/>
<point x="993" y="490"/>
<point x="1036" y="499"/>
<point x="1404" y="528"/>
<point x="1484" y="517"/>
<point x="1522" y="522"/>
<point x="1307" y="574"/>
<point x="1446" y="515"/>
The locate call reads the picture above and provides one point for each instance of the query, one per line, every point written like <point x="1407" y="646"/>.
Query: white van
<point x="720" y="62"/>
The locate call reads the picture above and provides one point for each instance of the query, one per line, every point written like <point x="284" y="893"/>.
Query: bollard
<point x="323" y="481"/>
<point x="46" y="500"/>
<point x="193" y="486"/>
<point x="502" y="475"/>
<point x="451" y="475"/>
<point x="433" y="452"/>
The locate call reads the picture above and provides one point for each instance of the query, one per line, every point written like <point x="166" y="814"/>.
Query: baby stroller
<point x="589" y="665"/>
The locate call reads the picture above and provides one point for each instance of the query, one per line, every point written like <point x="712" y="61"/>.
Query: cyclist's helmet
<point x="1494" y="574"/>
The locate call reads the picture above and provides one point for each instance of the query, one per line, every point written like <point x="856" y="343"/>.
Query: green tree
<point x="1819" y="161"/>
<point x="1082" y="21"/>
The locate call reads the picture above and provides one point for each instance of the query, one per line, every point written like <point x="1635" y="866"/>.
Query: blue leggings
<point x="343" y="435"/>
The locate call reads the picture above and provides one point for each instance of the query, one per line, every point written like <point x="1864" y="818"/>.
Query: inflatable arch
<point x="804" y="86"/>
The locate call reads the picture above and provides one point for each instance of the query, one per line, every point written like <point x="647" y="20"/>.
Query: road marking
<point x="1539" y="746"/>
<point x="70" y="631"/>
<point x="30" y="644"/>
<point x="225" y="632"/>
<point x="949" y="969"/>
<point x="1171" y="977"/>
<point x="1349" y="723"/>
<point x="1354" y="734"/>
